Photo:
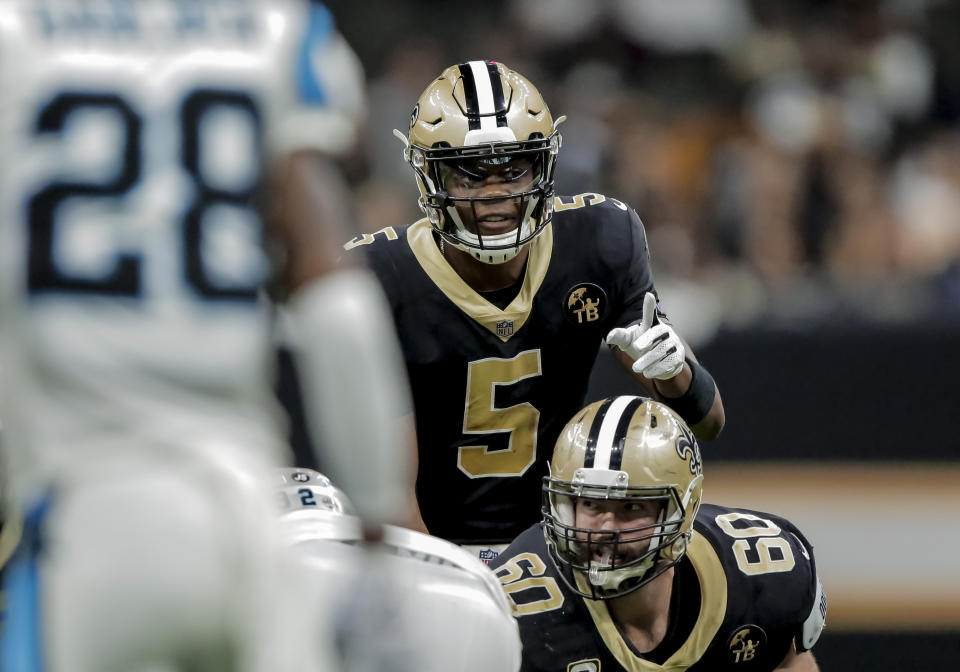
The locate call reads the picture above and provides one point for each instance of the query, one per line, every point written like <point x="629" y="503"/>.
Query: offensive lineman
<point x="628" y="571"/>
<point x="149" y="149"/>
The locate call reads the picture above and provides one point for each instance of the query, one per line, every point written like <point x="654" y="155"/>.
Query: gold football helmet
<point x="482" y="111"/>
<point x="628" y="449"/>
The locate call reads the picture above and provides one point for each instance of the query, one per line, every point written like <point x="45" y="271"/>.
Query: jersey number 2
<point x="124" y="279"/>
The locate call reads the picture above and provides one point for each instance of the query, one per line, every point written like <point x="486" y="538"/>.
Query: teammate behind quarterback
<point x="502" y="295"/>
<point x="628" y="571"/>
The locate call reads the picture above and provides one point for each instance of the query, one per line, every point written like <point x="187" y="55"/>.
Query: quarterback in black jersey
<point x="628" y="571"/>
<point x="502" y="295"/>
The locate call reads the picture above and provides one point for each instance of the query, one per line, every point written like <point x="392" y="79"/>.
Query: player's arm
<point x="798" y="662"/>
<point x="649" y="347"/>
<point x="706" y="397"/>
<point x="409" y="428"/>
<point x="353" y="379"/>
<point x="343" y="339"/>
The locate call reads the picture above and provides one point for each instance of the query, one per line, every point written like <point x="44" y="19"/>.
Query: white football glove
<point x="657" y="350"/>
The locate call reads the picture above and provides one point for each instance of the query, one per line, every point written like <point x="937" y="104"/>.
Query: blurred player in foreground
<point x="420" y="604"/>
<point x="161" y="160"/>
<point x="628" y="571"/>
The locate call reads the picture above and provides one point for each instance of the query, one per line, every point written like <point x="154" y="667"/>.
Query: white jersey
<point x="134" y="135"/>
<point x="419" y="603"/>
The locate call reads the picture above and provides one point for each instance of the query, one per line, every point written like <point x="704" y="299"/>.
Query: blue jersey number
<point x="125" y="278"/>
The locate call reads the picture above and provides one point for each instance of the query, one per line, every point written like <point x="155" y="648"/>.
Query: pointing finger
<point x="649" y="310"/>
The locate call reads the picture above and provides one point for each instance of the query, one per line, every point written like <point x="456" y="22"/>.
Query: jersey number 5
<point x="48" y="213"/>
<point x="482" y="417"/>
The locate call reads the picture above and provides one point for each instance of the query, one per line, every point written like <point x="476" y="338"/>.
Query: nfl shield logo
<point x="488" y="554"/>
<point x="505" y="328"/>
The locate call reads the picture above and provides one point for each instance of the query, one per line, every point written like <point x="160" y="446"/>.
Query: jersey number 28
<point x="48" y="214"/>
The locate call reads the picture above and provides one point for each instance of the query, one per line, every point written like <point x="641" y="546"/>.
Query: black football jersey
<point x="748" y="587"/>
<point x="493" y="388"/>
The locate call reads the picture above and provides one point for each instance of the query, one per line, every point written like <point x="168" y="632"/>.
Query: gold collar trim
<point x="713" y="607"/>
<point x="501" y="323"/>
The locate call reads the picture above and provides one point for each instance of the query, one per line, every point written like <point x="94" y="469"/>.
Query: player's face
<point x="496" y="178"/>
<point x="605" y="517"/>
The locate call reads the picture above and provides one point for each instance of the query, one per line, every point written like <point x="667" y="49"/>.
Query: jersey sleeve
<point x="319" y="101"/>
<point x="771" y="573"/>
<point x="636" y="278"/>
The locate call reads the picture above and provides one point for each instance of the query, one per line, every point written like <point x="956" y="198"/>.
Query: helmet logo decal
<point x="688" y="449"/>
<point x="414" y="114"/>
<point x="745" y="642"/>
<point x="585" y="304"/>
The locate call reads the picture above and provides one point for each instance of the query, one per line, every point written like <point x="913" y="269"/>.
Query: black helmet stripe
<point x="483" y="93"/>
<point x="617" y="412"/>
<point x="498" y="103"/>
<point x="591" y="452"/>
<point x="616" y="455"/>
<point x="470" y="93"/>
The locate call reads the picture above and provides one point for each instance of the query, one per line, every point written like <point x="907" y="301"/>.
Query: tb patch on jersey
<point x="585" y="303"/>
<point x="745" y="643"/>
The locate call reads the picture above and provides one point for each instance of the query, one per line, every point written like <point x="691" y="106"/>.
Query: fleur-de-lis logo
<point x="688" y="449"/>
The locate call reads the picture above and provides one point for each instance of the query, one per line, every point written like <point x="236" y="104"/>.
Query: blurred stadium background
<point x="797" y="165"/>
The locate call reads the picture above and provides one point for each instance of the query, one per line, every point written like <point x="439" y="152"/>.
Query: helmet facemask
<point x="436" y="166"/>
<point x="621" y="569"/>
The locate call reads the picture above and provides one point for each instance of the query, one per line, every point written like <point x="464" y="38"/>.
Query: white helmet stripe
<point x="485" y="104"/>
<point x="608" y="430"/>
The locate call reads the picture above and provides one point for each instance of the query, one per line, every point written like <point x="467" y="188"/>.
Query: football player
<point x="419" y="604"/>
<point x="151" y="148"/>
<point x="629" y="571"/>
<point x="502" y="295"/>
